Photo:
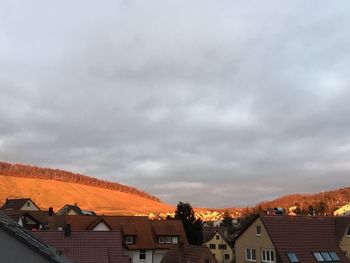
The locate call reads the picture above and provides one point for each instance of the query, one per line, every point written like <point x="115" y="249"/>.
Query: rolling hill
<point x="55" y="188"/>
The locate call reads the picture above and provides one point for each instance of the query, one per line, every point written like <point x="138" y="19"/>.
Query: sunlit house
<point x="294" y="239"/>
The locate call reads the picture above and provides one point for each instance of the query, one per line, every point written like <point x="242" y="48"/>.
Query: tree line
<point x="27" y="171"/>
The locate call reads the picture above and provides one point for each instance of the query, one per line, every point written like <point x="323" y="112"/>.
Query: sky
<point x="217" y="103"/>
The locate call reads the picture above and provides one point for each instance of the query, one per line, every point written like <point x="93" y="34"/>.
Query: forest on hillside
<point x="27" y="171"/>
<point x="320" y="203"/>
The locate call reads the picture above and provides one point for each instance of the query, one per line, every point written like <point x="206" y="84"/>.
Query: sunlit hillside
<point x="46" y="193"/>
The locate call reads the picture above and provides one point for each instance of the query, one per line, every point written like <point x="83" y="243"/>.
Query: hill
<point x="53" y="187"/>
<point x="324" y="202"/>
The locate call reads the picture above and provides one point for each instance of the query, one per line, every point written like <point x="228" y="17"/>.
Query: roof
<point x="16" y="204"/>
<point x="28" y="239"/>
<point x="168" y="228"/>
<point x="128" y="225"/>
<point x="87" y="246"/>
<point x="64" y="210"/>
<point x="188" y="254"/>
<point x="304" y="235"/>
<point x="210" y="232"/>
<point x="38" y="216"/>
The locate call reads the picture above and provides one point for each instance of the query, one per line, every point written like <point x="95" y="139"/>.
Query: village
<point x="72" y="234"/>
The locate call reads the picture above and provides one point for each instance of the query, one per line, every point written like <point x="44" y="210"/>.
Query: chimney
<point x="50" y="211"/>
<point x="67" y="230"/>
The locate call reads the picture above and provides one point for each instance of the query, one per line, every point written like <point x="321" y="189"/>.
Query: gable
<point x="30" y="206"/>
<point x="102" y="226"/>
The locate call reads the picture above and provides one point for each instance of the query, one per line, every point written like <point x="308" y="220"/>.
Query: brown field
<point x="46" y="193"/>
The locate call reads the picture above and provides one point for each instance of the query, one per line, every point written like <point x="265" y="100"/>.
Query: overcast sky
<point x="218" y="103"/>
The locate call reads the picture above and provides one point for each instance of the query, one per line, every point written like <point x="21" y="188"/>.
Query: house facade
<point x="220" y="247"/>
<point x="342" y="211"/>
<point x="294" y="239"/>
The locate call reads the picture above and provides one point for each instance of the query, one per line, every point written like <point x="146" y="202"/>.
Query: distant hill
<point x="53" y="187"/>
<point x="27" y="171"/>
<point x="329" y="200"/>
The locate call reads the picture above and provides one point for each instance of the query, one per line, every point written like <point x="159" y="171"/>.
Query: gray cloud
<point x="220" y="104"/>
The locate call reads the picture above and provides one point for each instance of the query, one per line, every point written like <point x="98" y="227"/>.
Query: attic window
<point x="292" y="257"/>
<point x="258" y="231"/>
<point x="28" y="203"/>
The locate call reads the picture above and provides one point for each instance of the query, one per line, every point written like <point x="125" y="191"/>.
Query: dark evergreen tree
<point x="193" y="227"/>
<point x="227" y="222"/>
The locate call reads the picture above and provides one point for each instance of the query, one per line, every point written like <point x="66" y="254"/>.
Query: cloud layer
<point x="216" y="103"/>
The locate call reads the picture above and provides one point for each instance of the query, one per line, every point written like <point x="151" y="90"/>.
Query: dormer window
<point x="129" y="240"/>
<point x="258" y="230"/>
<point x="168" y="239"/>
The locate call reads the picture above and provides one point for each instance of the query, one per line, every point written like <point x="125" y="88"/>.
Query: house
<point x="19" y="245"/>
<point x="220" y="246"/>
<point x="86" y="246"/>
<point x="342" y="211"/>
<point x="188" y="254"/>
<point x="74" y="210"/>
<point x="22" y="204"/>
<point x="294" y="239"/>
<point x="144" y="240"/>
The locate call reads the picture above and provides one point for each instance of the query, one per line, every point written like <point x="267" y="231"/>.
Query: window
<point x="217" y="237"/>
<point x="326" y="256"/>
<point x="129" y="240"/>
<point x="212" y="246"/>
<point x="227" y="256"/>
<point x="28" y="203"/>
<point x="174" y="240"/>
<point x="258" y="231"/>
<point x="161" y="240"/>
<point x="222" y="246"/>
<point x="168" y="240"/>
<point x="334" y="256"/>
<point x="207" y="260"/>
<point x="348" y="232"/>
<point x="318" y="257"/>
<point x="142" y="254"/>
<point x="292" y="257"/>
<point x="267" y="255"/>
<point x="250" y="254"/>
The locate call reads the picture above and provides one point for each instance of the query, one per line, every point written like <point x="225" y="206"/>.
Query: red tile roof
<point x="87" y="246"/>
<point x="304" y="235"/>
<point x="188" y="254"/>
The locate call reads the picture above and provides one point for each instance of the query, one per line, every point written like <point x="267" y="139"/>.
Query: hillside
<point x="47" y="192"/>
<point x="327" y="201"/>
<point x="52" y="187"/>
<point x="28" y="171"/>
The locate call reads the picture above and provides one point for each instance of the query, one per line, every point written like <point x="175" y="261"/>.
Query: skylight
<point x="326" y="256"/>
<point x="318" y="257"/>
<point x="292" y="257"/>
<point x="334" y="256"/>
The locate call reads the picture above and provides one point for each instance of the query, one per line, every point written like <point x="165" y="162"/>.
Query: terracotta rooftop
<point x="87" y="246"/>
<point x="188" y="254"/>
